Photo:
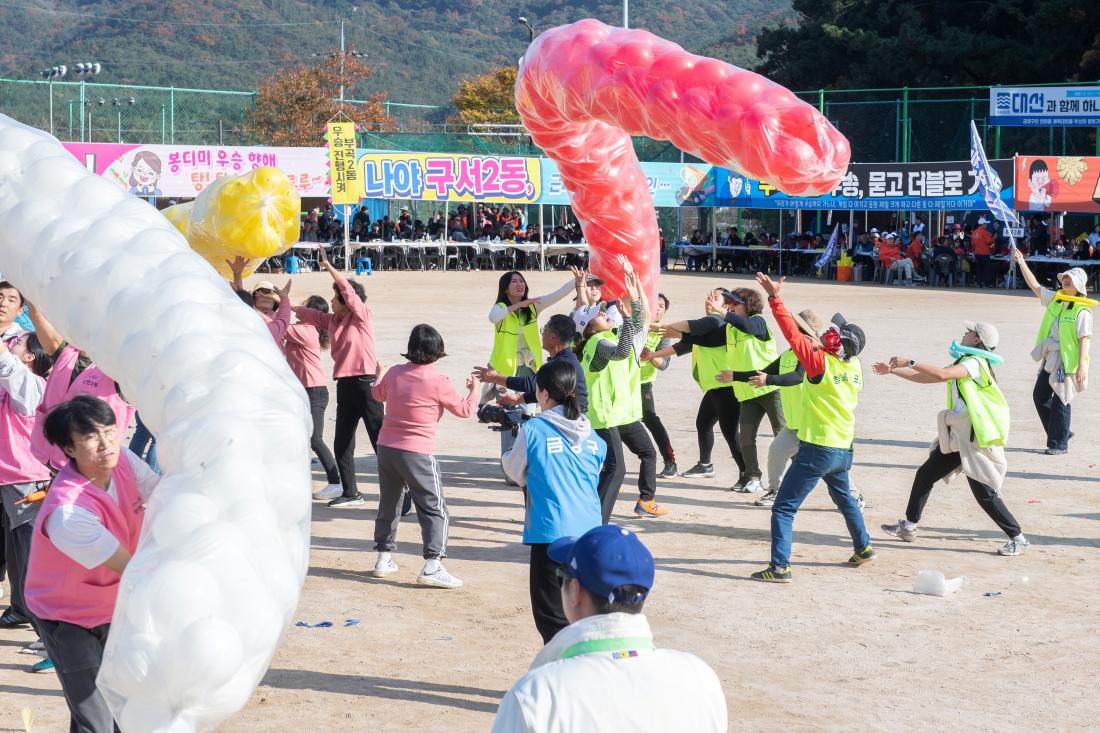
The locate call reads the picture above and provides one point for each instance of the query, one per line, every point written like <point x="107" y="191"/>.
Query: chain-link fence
<point x="881" y="124"/>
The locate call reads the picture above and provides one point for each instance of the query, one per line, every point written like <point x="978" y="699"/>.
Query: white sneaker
<point x="328" y="492"/>
<point x="1015" y="546"/>
<point x="752" y="486"/>
<point x="384" y="566"/>
<point x="435" y="575"/>
<point x="904" y="530"/>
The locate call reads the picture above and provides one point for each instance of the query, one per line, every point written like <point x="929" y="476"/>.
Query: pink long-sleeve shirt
<point x="302" y="346"/>
<point x="278" y="323"/>
<point x="416" y="396"/>
<point x="351" y="332"/>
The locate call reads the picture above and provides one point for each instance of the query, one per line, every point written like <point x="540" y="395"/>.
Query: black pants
<point x="77" y="653"/>
<point x="939" y="465"/>
<point x="318" y="403"/>
<point x="720" y="406"/>
<point x="354" y="402"/>
<point x="748" y="424"/>
<point x="17" y="547"/>
<point x="546" y="594"/>
<point x="634" y="437"/>
<point x="984" y="272"/>
<point x="653" y="423"/>
<point x="1053" y="413"/>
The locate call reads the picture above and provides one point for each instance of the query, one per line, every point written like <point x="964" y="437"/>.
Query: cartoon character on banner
<point x="145" y="174"/>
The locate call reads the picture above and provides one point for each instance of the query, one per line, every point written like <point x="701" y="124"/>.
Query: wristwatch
<point x="912" y="363"/>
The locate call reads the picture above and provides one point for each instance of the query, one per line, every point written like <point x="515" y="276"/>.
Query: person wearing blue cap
<point x="596" y="674"/>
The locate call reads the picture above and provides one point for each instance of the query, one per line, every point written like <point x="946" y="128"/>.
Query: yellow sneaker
<point x="649" y="508"/>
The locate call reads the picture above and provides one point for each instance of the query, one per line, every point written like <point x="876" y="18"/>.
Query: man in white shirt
<point x="595" y="674"/>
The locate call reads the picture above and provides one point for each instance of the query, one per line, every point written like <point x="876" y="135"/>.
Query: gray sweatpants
<point x="419" y="472"/>
<point x="782" y="450"/>
<point x="752" y="414"/>
<point x="77" y="653"/>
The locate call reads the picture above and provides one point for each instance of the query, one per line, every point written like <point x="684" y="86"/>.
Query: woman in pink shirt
<point x="351" y="326"/>
<point x="417" y="395"/>
<point x="303" y="344"/>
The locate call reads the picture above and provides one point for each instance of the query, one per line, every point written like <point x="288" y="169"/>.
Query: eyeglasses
<point x="562" y="575"/>
<point x="107" y="435"/>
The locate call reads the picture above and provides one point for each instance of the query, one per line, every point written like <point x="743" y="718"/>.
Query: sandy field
<point x="840" y="649"/>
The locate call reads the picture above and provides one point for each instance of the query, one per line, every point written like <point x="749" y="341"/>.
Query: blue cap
<point x="603" y="559"/>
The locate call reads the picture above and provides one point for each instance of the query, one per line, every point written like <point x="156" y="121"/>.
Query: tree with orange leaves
<point x="293" y="105"/>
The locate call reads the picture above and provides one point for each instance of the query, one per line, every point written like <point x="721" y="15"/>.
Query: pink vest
<point x="91" y="382"/>
<point x="57" y="587"/>
<point x="17" y="464"/>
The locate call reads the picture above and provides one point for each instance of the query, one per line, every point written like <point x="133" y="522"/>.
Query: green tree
<point x="487" y="99"/>
<point x="894" y="43"/>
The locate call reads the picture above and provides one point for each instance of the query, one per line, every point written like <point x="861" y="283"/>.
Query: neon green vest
<point x="1067" y="332"/>
<point x="505" y="339"/>
<point x="707" y="362"/>
<point x="985" y="404"/>
<point x="649" y="372"/>
<point x="747" y="354"/>
<point x="614" y="392"/>
<point x="829" y="407"/>
<point x="791" y="397"/>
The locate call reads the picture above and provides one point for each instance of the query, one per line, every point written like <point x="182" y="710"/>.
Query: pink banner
<point x="181" y="171"/>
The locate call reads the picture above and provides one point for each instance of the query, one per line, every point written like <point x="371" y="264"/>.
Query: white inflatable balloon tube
<point x="225" y="544"/>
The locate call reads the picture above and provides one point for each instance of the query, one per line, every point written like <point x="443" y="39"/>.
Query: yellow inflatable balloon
<point x="254" y="215"/>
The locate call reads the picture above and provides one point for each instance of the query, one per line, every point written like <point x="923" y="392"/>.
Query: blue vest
<point x="561" y="483"/>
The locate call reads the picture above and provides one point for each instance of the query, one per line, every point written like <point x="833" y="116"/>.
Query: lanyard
<point x="621" y="644"/>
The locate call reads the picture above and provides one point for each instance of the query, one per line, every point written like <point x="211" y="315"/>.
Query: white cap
<point x="987" y="332"/>
<point x="584" y="315"/>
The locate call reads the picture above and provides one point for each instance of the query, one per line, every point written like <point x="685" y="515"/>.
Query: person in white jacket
<point x="595" y="674"/>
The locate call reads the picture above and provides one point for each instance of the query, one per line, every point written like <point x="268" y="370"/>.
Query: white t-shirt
<point x="81" y="535"/>
<point x="974" y="370"/>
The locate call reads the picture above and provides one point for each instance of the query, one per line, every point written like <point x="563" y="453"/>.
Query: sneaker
<point x="751" y="486"/>
<point x="773" y="574"/>
<point x="345" y="501"/>
<point x="435" y="575"/>
<point x="767" y="499"/>
<point x="384" y="566"/>
<point x="329" y="492"/>
<point x="867" y="554"/>
<point x="904" y="530"/>
<point x="46" y="665"/>
<point x="1056" y="451"/>
<point x="1016" y="546"/>
<point x="700" y="470"/>
<point x="669" y="471"/>
<point x="740" y="485"/>
<point x="649" y="508"/>
<point x="407" y="504"/>
<point x="35" y="647"/>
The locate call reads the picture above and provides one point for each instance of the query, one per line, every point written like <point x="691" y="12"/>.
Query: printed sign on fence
<point x="440" y="177"/>
<point x="1044" y="106"/>
<point x="1047" y="183"/>
<point x="153" y="171"/>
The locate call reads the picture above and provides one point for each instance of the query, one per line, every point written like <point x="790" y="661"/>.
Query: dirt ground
<point x="839" y="649"/>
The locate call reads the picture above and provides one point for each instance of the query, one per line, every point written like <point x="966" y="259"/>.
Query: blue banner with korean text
<point x="937" y="186"/>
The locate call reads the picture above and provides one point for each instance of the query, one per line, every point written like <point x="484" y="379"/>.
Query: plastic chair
<point x="364" y="264"/>
<point x="292" y="265"/>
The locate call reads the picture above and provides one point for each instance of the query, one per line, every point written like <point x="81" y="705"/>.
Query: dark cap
<point x="730" y="295"/>
<point x="605" y="558"/>
<point x="591" y="279"/>
<point x="852" y="337"/>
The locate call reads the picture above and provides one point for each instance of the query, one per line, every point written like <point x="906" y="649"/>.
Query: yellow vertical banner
<point x="347" y="186"/>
